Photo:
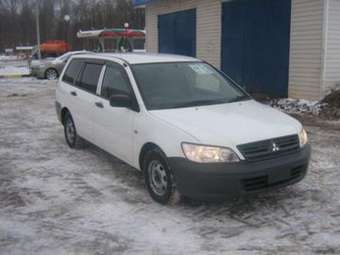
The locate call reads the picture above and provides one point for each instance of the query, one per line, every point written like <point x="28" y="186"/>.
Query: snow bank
<point x="327" y="108"/>
<point x="297" y="106"/>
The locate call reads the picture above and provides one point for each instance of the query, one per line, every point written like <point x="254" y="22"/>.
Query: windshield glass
<point x="177" y="85"/>
<point x="63" y="57"/>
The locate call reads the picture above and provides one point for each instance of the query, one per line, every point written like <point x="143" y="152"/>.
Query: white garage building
<point x="275" y="47"/>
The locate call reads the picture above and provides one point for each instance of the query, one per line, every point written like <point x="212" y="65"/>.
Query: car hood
<point x="230" y="124"/>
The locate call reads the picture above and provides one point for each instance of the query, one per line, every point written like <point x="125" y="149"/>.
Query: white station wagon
<point x="187" y="126"/>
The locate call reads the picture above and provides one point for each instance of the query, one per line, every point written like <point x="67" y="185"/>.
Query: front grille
<point x="271" y="148"/>
<point x="262" y="182"/>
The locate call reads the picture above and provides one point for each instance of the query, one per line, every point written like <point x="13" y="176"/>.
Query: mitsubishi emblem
<point x="275" y="147"/>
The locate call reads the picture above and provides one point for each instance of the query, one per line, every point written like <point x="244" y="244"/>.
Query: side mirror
<point x="121" y="100"/>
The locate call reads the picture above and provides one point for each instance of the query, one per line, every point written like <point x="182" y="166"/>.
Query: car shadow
<point x="236" y="206"/>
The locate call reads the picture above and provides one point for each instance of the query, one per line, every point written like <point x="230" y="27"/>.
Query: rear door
<point x="72" y="95"/>
<point x="82" y="94"/>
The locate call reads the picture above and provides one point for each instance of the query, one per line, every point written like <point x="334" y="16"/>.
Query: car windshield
<point x="63" y="57"/>
<point x="179" y="85"/>
<point x="67" y="55"/>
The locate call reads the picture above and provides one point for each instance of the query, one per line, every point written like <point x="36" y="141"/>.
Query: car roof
<point x="78" y="52"/>
<point x="72" y="53"/>
<point x="140" y="58"/>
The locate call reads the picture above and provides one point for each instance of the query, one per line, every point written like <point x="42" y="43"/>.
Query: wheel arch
<point x="149" y="146"/>
<point x="63" y="114"/>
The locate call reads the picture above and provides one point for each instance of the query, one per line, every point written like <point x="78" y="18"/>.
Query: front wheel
<point x="51" y="74"/>
<point x="159" y="179"/>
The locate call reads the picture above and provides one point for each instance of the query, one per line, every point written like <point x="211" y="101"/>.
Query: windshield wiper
<point x="209" y="102"/>
<point x="239" y="98"/>
<point x="199" y="103"/>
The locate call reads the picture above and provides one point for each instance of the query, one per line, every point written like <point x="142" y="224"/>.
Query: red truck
<point x="53" y="48"/>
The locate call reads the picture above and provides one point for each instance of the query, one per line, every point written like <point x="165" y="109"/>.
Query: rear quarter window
<point x="72" y="71"/>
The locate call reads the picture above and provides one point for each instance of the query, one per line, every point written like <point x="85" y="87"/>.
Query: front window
<point x="178" y="85"/>
<point x="115" y="82"/>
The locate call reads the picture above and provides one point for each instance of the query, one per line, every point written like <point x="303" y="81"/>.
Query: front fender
<point x="149" y="129"/>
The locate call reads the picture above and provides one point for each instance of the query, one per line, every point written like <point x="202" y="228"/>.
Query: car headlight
<point x="303" y="137"/>
<point x="208" y="154"/>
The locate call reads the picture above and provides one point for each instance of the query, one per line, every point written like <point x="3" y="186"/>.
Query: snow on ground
<point x="14" y="70"/>
<point x="6" y="58"/>
<point x="14" y="67"/>
<point x="296" y="106"/>
<point x="54" y="200"/>
<point x="327" y="108"/>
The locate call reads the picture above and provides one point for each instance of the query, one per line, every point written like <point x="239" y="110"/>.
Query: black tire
<point x="72" y="139"/>
<point x="166" y="194"/>
<point x="51" y="74"/>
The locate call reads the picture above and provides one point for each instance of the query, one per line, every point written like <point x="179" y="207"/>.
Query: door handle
<point x="73" y="93"/>
<point x="99" y="104"/>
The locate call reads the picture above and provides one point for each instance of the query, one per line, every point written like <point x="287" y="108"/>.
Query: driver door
<point x="113" y="126"/>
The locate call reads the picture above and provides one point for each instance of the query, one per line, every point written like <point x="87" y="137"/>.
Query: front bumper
<point x="216" y="181"/>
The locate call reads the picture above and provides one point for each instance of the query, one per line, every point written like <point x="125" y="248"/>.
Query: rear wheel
<point x="51" y="74"/>
<point x="71" y="136"/>
<point x="159" y="179"/>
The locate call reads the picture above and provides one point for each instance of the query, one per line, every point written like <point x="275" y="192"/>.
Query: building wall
<point x="332" y="46"/>
<point x="308" y="63"/>
<point x="208" y="42"/>
<point x="305" y="68"/>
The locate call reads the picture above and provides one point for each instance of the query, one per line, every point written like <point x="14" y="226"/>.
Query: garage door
<point x="255" y="44"/>
<point x="177" y="33"/>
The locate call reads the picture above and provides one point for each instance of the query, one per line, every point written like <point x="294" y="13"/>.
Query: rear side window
<point x="115" y="82"/>
<point x="90" y="77"/>
<point x="72" y="71"/>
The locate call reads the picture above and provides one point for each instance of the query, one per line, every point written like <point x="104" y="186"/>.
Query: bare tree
<point x="17" y="24"/>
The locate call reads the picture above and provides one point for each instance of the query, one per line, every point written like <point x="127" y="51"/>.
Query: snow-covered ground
<point x="7" y="58"/>
<point x="327" y="108"/>
<point x="14" y="67"/>
<point x="296" y="106"/>
<point x="14" y="70"/>
<point x="54" y="200"/>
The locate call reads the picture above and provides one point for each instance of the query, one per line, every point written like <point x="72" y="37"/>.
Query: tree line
<point x="18" y="23"/>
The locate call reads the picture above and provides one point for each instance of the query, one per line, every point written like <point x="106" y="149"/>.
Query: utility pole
<point x="38" y="27"/>
<point x="67" y="20"/>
